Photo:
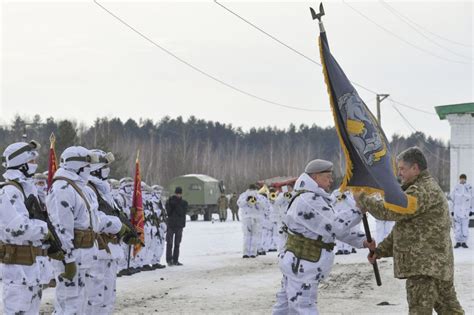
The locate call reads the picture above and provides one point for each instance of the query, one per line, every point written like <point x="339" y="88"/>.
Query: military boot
<point x="464" y="245"/>
<point x="457" y="245"/>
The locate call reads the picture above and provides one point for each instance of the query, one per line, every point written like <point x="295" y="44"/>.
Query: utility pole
<point x="380" y="98"/>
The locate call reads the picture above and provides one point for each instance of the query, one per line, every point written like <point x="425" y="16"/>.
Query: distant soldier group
<point x="75" y="235"/>
<point x="262" y="213"/>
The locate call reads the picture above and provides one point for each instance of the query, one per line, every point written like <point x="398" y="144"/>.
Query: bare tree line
<point x="173" y="147"/>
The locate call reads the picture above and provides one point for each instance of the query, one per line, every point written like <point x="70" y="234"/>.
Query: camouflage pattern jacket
<point x="419" y="243"/>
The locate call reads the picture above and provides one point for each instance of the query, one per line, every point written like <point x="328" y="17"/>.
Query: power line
<point x="401" y="38"/>
<point x="413" y="108"/>
<point x="283" y="43"/>
<point x="405" y="20"/>
<point x="416" y="134"/>
<point x="427" y="30"/>
<point x="197" y="69"/>
<point x="306" y="57"/>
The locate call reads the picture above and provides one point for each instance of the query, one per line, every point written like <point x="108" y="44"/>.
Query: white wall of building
<point x="462" y="147"/>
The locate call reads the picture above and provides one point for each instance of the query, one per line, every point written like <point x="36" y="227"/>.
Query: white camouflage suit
<point x="463" y="204"/>
<point x="341" y="203"/>
<point x="21" y="284"/>
<point x="160" y="235"/>
<point x="68" y="211"/>
<point x="383" y="229"/>
<point x="312" y="216"/>
<point x="145" y="255"/>
<point x="281" y="206"/>
<point x="251" y="218"/>
<point x="101" y="296"/>
<point x="46" y="266"/>
<point x="267" y="224"/>
<point x="124" y="201"/>
<point x="274" y="218"/>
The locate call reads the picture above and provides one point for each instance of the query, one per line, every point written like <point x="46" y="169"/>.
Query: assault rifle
<point x="114" y="210"/>
<point x="153" y="218"/>
<point x="36" y="211"/>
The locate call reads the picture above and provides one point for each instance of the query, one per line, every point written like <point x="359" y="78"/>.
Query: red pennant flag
<point x="138" y="217"/>
<point x="52" y="161"/>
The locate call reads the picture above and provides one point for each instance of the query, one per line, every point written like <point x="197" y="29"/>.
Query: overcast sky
<point x="73" y="60"/>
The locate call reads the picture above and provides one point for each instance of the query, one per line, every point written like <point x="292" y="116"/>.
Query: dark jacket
<point x="176" y="209"/>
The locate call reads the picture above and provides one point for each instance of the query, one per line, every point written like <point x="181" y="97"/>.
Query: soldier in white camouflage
<point x="21" y="236"/>
<point x="462" y="198"/>
<point x="420" y="243"/>
<point x="312" y="226"/>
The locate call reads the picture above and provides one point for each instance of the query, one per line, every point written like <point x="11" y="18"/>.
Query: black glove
<point x="471" y="213"/>
<point x="452" y="214"/>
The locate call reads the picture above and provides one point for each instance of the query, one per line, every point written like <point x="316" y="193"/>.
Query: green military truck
<point x="201" y="192"/>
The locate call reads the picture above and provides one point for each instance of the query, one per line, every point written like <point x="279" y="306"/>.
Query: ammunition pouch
<point x="306" y="248"/>
<point x="84" y="238"/>
<point x="20" y="254"/>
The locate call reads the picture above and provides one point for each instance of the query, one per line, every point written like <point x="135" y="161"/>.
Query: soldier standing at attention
<point x="176" y="208"/>
<point x="419" y="243"/>
<point x="21" y="237"/>
<point x="463" y="202"/>
<point x="223" y="204"/>
<point x="234" y="207"/>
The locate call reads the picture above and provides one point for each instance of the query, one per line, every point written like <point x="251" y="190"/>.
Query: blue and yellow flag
<point x="370" y="165"/>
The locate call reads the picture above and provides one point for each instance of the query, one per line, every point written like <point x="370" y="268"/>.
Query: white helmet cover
<point x="20" y="153"/>
<point x="76" y="158"/>
<point x="103" y="159"/>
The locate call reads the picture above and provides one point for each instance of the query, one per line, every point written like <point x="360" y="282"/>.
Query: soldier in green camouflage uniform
<point x="419" y="243"/>
<point x="223" y="204"/>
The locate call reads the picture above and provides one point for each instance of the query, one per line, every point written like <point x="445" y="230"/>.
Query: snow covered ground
<point x="216" y="280"/>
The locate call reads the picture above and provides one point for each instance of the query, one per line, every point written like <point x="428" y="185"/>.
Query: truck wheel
<point x="194" y="217"/>
<point x="207" y="215"/>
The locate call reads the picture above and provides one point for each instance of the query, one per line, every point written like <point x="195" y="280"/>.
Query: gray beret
<point x="318" y="166"/>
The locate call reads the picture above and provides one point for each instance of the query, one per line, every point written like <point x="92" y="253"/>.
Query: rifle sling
<point x="79" y="191"/>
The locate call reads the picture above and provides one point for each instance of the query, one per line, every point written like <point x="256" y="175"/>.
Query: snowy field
<point x="216" y="280"/>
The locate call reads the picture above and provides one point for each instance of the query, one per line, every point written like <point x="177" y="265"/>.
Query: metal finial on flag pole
<point x="318" y="16"/>
<point x="138" y="154"/>
<point x="52" y="139"/>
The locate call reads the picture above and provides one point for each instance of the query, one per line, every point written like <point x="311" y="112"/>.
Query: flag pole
<point x="369" y="239"/>
<point x="318" y="16"/>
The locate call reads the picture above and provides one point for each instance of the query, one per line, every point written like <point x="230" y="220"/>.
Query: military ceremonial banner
<point x="137" y="215"/>
<point x="52" y="161"/>
<point x="369" y="163"/>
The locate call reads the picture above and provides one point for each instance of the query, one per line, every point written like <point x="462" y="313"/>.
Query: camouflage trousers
<point x="296" y="297"/>
<point x="425" y="293"/>
<point x="21" y="299"/>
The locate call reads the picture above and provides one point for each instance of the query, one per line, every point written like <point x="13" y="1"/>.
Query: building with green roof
<point x="461" y="120"/>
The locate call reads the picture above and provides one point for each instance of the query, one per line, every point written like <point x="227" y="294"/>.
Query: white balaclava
<point x="101" y="169"/>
